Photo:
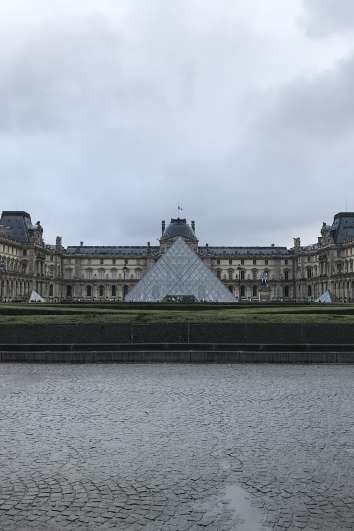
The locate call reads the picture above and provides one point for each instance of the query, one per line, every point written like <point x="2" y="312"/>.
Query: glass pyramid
<point x="179" y="273"/>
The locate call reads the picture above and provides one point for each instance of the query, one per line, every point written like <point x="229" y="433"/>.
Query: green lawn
<point x="120" y="313"/>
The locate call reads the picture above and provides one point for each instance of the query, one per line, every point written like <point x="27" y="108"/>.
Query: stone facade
<point x="107" y="273"/>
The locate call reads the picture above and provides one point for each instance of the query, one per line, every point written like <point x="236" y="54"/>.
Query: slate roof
<point x="144" y="250"/>
<point x="243" y="251"/>
<point x="179" y="228"/>
<point x="343" y="227"/>
<point x="113" y="250"/>
<point x="16" y="225"/>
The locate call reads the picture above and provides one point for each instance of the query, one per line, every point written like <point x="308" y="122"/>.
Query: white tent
<point x="326" y="298"/>
<point x="36" y="297"/>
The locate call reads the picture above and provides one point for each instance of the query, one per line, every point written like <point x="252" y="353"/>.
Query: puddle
<point x="246" y="516"/>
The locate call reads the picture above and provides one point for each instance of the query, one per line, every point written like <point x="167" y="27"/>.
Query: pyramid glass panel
<point x="179" y="273"/>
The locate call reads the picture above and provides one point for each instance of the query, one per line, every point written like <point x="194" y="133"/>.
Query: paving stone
<point x="156" y="447"/>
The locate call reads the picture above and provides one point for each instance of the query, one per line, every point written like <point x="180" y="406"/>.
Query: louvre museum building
<point x="176" y="268"/>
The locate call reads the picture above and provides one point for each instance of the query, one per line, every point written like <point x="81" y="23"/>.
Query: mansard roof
<point x="144" y="250"/>
<point x="16" y="225"/>
<point x="243" y="251"/>
<point x="179" y="227"/>
<point x="120" y="250"/>
<point x="343" y="227"/>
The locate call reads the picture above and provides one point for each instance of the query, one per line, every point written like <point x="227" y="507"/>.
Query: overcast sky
<point x="114" y="112"/>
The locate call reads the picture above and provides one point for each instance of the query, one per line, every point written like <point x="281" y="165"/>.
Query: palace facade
<point x="107" y="273"/>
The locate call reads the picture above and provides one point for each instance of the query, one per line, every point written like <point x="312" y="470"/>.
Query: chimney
<point x="193" y="225"/>
<point x="58" y="242"/>
<point x="163" y="226"/>
<point x="148" y="248"/>
<point x="81" y="244"/>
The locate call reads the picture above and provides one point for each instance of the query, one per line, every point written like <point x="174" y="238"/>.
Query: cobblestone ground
<point x="163" y="447"/>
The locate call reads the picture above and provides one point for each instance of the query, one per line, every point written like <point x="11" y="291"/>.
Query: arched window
<point x="254" y="291"/>
<point x="88" y="291"/>
<point x="243" y="290"/>
<point x="101" y="291"/>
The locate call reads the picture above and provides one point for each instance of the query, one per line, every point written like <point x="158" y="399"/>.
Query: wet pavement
<point x="174" y="447"/>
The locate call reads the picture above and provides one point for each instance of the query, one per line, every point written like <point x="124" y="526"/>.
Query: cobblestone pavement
<point x="177" y="447"/>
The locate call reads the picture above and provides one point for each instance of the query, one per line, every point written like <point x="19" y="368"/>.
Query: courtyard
<point x="160" y="447"/>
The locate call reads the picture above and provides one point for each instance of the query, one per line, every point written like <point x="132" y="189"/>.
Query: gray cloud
<point x="111" y="116"/>
<point x="328" y="17"/>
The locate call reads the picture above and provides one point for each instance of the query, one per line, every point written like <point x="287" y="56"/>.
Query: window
<point x="218" y="261"/>
<point x="242" y="261"/>
<point x="68" y="291"/>
<point x="230" y="261"/>
<point x="113" y="261"/>
<point x="254" y="261"/>
<point x="254" y="291"/>
<point x="266" y="261"/>
<point x="230" y="274"/>
<point x="114" y="291"/>
<point x="286" y="261"/>
<point x="286" y="291"/>
<point x="88" y="291"/>
<point x="51" y="290"/>
<point x="286" y="275"/>
<point x="231" y="289"/>
<point x="24" y="252"/>
<point x="309" y="291"/>
<point x="254" y="274"/>
<point x="101" y="261"/>
<point x="242" y="275"/>
<point x="243" y="291"/>
<point x="218" y="273"/>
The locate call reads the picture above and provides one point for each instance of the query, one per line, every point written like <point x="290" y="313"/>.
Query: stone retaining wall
<point x="161" y="356"/>
<point x="181" y="333"/>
